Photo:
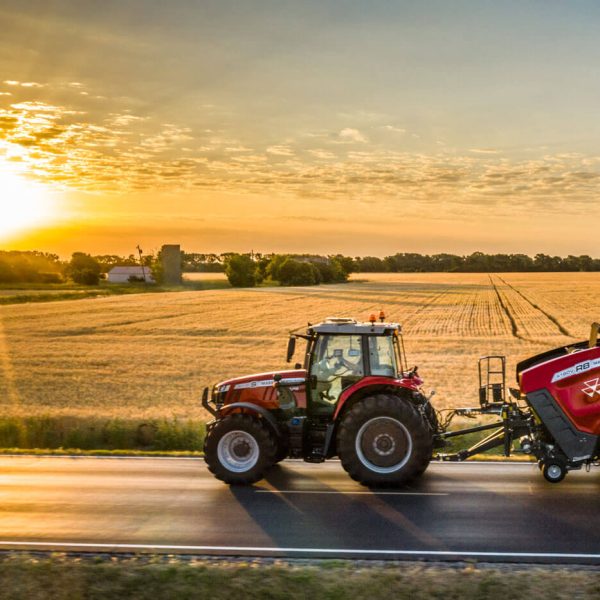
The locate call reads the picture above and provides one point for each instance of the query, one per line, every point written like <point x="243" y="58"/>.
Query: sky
<point x="366" y="128"/>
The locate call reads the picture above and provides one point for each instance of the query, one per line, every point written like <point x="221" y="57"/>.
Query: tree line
<point x="411" y="262"/>
<point x="246" y="270"/>
<point x="43" y="267"/>
<point x="477" y="262"/>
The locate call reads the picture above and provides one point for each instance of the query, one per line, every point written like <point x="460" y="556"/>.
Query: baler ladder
<point x="492" y="382"/>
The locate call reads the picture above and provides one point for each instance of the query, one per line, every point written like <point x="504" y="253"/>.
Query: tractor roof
<point x="347" y="326"/>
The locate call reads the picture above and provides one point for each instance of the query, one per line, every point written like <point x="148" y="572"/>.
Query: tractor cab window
<point x="336" y="364"/>
<point x="382" y="357"/>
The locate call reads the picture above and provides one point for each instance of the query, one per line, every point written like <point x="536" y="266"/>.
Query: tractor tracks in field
<point x="507" y="312"/>
<point x="506" y="307"/>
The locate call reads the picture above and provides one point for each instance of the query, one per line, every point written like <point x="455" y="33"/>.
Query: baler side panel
<point x="576" y="444"/>
<point x="573" y="381"/>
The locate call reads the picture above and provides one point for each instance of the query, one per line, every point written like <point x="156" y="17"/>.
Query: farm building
<point x="127" y="274"/>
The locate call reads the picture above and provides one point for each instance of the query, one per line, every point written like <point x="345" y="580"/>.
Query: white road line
<point x="116" y="457"/>
<point x="271" y="550"/>
<point x="352" y="493"/>
<point x="434" y="463"/>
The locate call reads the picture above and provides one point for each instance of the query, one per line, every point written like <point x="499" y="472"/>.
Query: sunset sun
<point x="25" y="205"/>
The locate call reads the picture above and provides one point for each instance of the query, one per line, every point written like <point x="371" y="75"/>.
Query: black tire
<point x="431" y="422"/>
<point x="383" y="441"/>
<point x="554" y="471"/>
<point x="281" y="453"/>
<point x="239" y="448"/>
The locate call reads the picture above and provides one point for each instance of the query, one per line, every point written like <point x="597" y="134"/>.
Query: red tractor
<point x="356" y="398"/>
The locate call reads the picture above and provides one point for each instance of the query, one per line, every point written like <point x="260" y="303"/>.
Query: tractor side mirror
<point x="291" y="348"/>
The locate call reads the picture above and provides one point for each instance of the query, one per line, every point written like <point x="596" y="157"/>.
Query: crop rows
<point x="150" y="355"/>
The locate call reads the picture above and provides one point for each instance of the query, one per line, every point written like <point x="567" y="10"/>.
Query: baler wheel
<point x="383" y="441"/>
<point x="239" y="448"/>
<point x="554" y="471"/>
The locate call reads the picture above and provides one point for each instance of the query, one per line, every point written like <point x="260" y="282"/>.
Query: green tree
<point x="345" y="263"/>
<point x="369" y="264"/>
<point x="84" y="269"/>
<point x="241" y="270"/>
<point x="295" y="272"/>
<point x="274" y="267"/>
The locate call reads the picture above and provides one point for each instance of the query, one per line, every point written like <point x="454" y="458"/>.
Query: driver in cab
<point x="331" y="372"/>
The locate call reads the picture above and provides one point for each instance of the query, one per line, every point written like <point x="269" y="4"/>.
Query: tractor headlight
<point x="218" y="394"/>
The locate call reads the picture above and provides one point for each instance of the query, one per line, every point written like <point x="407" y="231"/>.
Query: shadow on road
<point x="297" y="510"/>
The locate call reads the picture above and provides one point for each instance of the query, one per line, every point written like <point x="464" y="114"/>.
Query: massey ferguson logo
<point x="592" y="389"/>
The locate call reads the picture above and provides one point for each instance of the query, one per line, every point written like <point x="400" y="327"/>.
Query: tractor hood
<point x="262" y="380"/>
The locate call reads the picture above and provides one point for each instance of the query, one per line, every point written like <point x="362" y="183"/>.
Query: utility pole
<point x="142" y="263"/>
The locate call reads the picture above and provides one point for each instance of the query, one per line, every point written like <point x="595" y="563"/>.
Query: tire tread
<point x="398" y="408"/>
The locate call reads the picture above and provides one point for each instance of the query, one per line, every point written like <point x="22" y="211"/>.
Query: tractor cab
<point x="341" y="353"/>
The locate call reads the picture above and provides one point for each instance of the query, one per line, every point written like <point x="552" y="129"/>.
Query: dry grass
<point x="150" y="355"/>
<point x="63" y="577"/>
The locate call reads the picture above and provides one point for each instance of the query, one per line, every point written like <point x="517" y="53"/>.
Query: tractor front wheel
<point x="239" y="448"/>
<point x="383" y="441"/>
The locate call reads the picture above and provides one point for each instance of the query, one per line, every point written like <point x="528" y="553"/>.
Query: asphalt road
<point x="483" y="511"/>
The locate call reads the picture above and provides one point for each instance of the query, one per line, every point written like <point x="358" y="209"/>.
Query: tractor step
<point x="314" y="458"/>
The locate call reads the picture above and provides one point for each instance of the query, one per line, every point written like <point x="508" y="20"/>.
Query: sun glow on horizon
<point x="24" y="205"/>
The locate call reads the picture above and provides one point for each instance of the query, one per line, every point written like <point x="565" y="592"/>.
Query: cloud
<point x="483" y="151"/>
<point x="280" y="150"/>
<point x="237" y="148"/>
<point x="394" y="129"/>
<point x="25" y="84"/>
<point x="38" y="107"/>
<point x="124" y="150"/>
<point x="8" y="122"/>
<point x="352" y="135"/>
<point x="322" y="154"/>
<point x="123" y="120"/>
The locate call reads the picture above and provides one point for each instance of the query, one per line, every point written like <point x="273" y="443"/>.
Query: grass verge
<point x="62" y="577"/>
<point x="25" y="293"/>
<point x="64" y="435"/>
<point x="54" y="433"/>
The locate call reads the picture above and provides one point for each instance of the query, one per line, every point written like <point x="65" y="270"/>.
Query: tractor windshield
<point x="337" y="363"/>
<point x="382" y="356"/>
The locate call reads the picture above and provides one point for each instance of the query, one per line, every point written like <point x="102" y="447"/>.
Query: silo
<point x="170" y="256"/>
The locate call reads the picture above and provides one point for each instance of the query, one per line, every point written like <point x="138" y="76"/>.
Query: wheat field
<point x="150" y="355"/>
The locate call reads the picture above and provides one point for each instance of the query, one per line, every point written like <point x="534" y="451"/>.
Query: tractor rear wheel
<point x="383" y="441"/>
<point x="239" y="448"/>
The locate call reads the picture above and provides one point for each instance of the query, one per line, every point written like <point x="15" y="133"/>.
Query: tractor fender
<point x="375" y="383"/>
<point x="263" y="412"/>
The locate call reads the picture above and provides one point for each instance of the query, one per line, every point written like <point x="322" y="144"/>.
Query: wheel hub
<point x="554" y="471"/>
<point x="238" y="451"/>
<point x="241" y="449"/>
<point x="383" y="444"/>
